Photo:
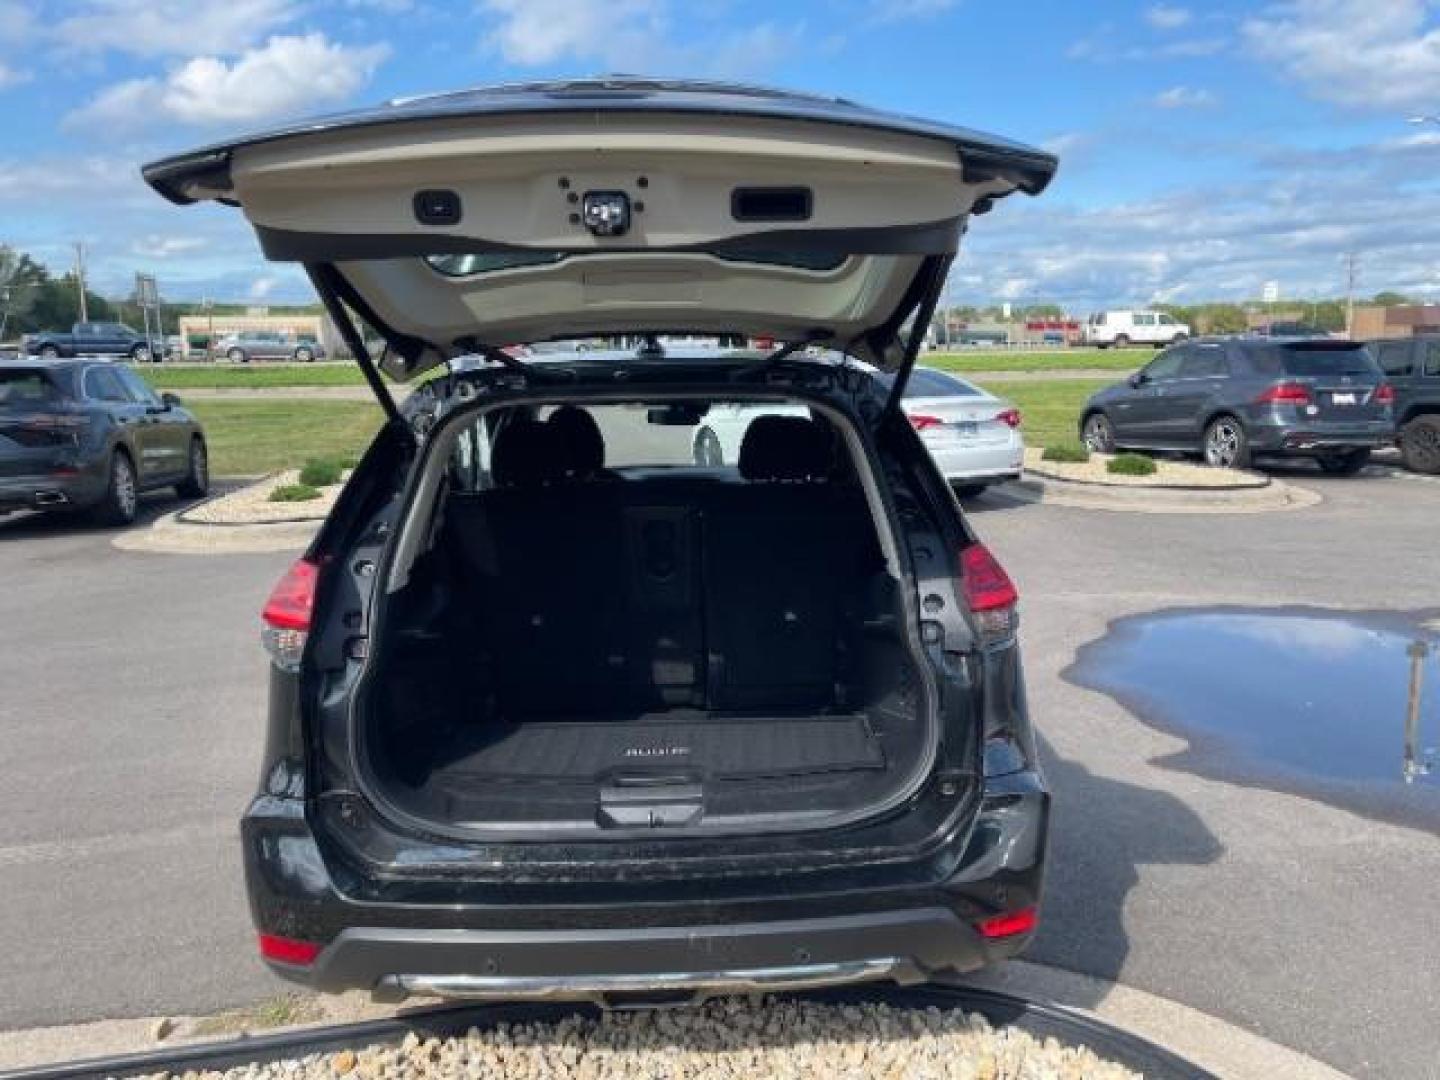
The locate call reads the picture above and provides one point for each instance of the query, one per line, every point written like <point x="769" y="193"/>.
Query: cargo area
<point x="588" y="644"/>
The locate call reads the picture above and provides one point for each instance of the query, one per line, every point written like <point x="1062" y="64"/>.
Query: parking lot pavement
<point x="135" y="692"/>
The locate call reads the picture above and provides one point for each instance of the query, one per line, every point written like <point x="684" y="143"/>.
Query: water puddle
<point x="1318" y="703"/>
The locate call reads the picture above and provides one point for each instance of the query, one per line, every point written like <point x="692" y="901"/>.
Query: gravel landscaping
<point x="251" y="504"/>
<point x="734" y="1038"/>
<point x="1168" y="473"/>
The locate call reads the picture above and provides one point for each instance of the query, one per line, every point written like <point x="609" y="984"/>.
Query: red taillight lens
<point x="1009" y="416"/>
<point x="1288" y="393"/>
<point x="989" y="593"/>
<point x="1384" y="394"/>
<point x="1011" y="923"/>
<point x="286" y="615"/>
<point x="288" y="950"/>
<point x="924" y="421"/>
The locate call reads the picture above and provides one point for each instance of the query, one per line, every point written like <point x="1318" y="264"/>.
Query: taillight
<point x="286" y="616"/>
<point x="1011" y="923"/>
<point x="1010" y="417"/>
<point x="1384" y="394"/>
<point x="288" y="950"/>
<point x="989" y="593"/>
<point x="1288" y="393"/>
<point x="924" y="421"/>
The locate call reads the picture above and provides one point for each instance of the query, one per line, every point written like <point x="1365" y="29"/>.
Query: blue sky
<point x="1205" y="148"/>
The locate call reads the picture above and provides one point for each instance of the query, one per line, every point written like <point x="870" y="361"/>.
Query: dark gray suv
<point x="1236" y="400"/>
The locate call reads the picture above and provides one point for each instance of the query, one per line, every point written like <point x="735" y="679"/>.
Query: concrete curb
<point x="1209" y="1042"/>
<point x="1252" y="482"/>
<point x="169" y="536"/>
<point x="1275" y="495"/>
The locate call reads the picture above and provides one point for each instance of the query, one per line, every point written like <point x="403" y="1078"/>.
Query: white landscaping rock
<point x="735" y="1039"/>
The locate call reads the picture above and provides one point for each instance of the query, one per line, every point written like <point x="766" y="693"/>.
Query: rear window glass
<point x="592" y="441"/>
<point x="934" y="384"/>
<point x="493" y="261"/>
<point x="1310" y="360"/>
<point x="26" y="388"/>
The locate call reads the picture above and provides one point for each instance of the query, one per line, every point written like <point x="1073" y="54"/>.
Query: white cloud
<point x="1103" y="47"/>
<point x="172" y="27"/>
<point x="286" y="75"/>
<point x="1166" y="16"/>
<point x="17" y="21"/>
<point x="1357" y="53"/>
<point x="262" y="287"/>
<point x="1183" y="97"/>
<point x="532" y="32"/>
<point x="629" y="35"/>
<point x="9" y="76"/>
<point x="155" y="246"/>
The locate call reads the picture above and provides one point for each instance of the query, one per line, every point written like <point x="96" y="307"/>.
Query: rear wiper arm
<point x="773" y="359"/>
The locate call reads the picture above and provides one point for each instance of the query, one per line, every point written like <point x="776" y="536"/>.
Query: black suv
<point x="1237" y="399"/>
<point x="557" y="712"/>
<point x="1412" y="367"/>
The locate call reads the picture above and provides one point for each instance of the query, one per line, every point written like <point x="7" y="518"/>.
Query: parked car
<point x="81" y="435"/>
<point x="1412" y="367"/>
<point x="249" y="345"/>
<point x="89" y="339"/>
<point x="1237" y="399"/>
<point x="562" y="722"/>
<point x="1122" y="328"/>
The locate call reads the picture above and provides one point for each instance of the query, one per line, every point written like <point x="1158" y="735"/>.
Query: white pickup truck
<point x="1121" y="328"/>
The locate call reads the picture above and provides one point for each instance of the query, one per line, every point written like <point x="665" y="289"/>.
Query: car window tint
<point x="1166" y="365"/>
<point x="101" y="384"/>
<point x="139" y="389"/>
<point x="1202" y="363"/>
<point x="934" y="384"/>
<point x="1307" y="360"/>
<point x="18" y="388"/>
<point x="1432" y="358"/>
<point x="1393" y="357"/>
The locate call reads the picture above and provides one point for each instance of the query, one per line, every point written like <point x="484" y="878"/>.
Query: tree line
<point x="33" y="299"/>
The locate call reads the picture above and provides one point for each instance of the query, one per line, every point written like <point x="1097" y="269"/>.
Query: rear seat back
<point x="786" y="558"/>
<point x="611" y="597"/>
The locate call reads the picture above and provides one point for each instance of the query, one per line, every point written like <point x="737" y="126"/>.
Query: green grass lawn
<point x="250" y="437"/>
<point x="1050" y="411"/>
<point x="181" y="377"/>
<point x="1054" y="360"/>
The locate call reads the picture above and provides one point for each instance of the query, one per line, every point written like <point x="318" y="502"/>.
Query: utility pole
<point x="80" y="278"/>
<point x="1350" y="258"/>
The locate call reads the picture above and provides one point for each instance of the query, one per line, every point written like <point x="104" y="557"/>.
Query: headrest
<point x="581" y="443"/>
<point x="787" y="448"/>
<point x="526" y="453"/>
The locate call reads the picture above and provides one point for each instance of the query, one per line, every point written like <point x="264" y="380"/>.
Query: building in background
<point x="1400" y="320"/>
<point x="196" y="330"/>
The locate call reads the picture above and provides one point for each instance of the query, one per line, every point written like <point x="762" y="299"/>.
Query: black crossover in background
<point x="1412" y="367"/>
<point x="1234" y="400"/>
<point x="92" y="435"/>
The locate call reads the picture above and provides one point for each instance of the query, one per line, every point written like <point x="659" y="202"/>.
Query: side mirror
<point x="171" y="401"/>
<point x="1138" y="380"/>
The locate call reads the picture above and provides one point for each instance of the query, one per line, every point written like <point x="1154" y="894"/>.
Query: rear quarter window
<point x="21" y="388"/>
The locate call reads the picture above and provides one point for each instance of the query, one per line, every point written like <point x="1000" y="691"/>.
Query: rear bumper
<point x="958" y="461"/>
<point x="1302" y="441"/>
<point x="46" y="491"/>
<point x="685" y="943"/>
